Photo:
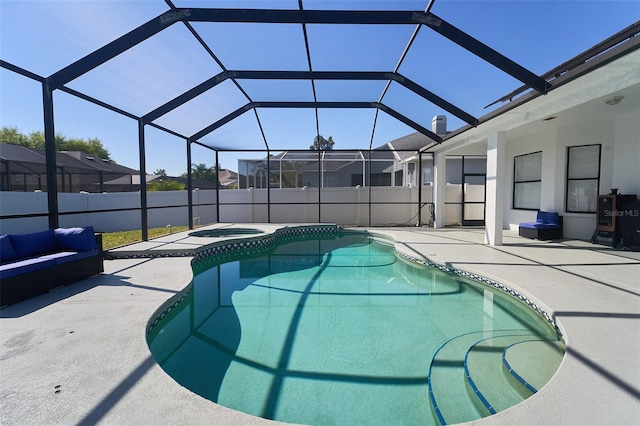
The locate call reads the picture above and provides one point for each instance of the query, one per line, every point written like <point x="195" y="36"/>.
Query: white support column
<point x="496" y="167"/>
<point x="439" y="186"/>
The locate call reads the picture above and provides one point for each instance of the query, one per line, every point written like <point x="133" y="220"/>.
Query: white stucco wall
<point x="544" y="141"/>
<point x="626" y="155"/>
<point x="620" y="156"/>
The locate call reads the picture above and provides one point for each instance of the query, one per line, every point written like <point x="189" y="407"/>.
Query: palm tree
<point x="165" y="185"/>
<point x="201" y="171"/>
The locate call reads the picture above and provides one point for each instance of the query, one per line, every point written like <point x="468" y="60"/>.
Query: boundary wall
<point x="110" y="212"/>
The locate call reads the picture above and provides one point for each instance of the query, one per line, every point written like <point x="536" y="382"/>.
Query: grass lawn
<point x="117" y="239"/>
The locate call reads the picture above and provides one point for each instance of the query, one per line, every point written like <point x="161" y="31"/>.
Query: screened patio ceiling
<point x="272" y="75"/>
<point x="254" y="75"/>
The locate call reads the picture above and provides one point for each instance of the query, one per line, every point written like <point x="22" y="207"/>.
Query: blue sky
<point x="45" y="36"/>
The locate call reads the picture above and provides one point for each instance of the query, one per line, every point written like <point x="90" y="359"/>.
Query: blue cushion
<point x="29" y="245"/>
<point x="6" y="249"/>
<point x="24" y="266"/>
<point x="548" y="217"/>
<point x="69" y="256"/>
<point x="76" y="239"/>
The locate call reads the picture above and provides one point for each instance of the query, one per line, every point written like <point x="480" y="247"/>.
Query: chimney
<point x="439" y="125"/>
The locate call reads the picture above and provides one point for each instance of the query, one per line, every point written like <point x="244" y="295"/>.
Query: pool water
<point x="342" y="331"/>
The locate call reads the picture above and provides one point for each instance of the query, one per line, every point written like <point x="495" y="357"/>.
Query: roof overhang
<point x="579" y="99"/>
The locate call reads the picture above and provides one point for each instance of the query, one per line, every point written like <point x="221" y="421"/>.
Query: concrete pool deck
<point x="78" y="355"/>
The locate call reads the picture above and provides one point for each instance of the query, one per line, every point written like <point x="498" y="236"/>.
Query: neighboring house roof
<point x="411" y="142"/>
<point x="31" y="158"/>
<point x="197" y="183"/>
<point x="227" y="177"/>
<point x="22" y="159"/>
<point x="114" y="177"/>
<point x="91" y="162"/>
<point x="133" y="179"/>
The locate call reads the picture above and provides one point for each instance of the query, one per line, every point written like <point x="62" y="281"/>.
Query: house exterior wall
<point x="620" y="155"/>
<point x="544" y="141"/>
<point x="626" y="155"/>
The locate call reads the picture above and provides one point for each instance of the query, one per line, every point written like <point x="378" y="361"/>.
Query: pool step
<point x="533" y="362"/>
<point x="488" y="376"/>
<point x="451" y="396"/>
<point x="447" y="385"/>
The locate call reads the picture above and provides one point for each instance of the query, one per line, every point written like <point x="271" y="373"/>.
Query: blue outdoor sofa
<point x="548" y="226"/>
<point x="33" y="264"/>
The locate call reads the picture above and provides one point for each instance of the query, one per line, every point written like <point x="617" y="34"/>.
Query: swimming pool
<point x="338" y="328"/>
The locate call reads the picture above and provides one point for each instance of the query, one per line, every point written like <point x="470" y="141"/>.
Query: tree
<point x="165" y="185"/>
<point x="160" y="172"/>
<point x="12" y="136"/>
<point x="322" y="144"/>
<point x="92" y="146"/>
<point x="201" y="171"/>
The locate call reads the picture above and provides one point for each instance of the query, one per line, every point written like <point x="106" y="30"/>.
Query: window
<point x="583" y="178"/>
<point x="527" y="179"/>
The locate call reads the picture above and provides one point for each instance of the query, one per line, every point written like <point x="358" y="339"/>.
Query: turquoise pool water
<point x="340" y="330"/>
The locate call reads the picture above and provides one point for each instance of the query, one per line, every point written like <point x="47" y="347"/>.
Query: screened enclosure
<point x="248" y="85"/>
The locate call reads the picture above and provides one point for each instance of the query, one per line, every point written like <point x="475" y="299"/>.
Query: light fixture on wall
<point x="614" y="100"/>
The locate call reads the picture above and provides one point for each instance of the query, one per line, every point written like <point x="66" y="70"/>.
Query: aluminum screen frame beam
<point x="224" y="120"/>
<point x="50" y="156"/>
<point x="113" y="49"/>
<point x="432" y="21"/>
<point x="166" y="19"/>
<point x="349" y="105"/>
<point x="286" y="16"/>
<point x="154" y="26"/>
<point x="220" y="64"/>
<point x="483" y="51"/>
<point x="435" y="99"/>
<point x="311" y="75"/>
<point x="359" y="75"/>
<point x="186" y="97"/>
<point x="19" y="70"/>
<point x="413" y="37"/>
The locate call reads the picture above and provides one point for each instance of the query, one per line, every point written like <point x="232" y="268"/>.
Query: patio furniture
<point x="33" y="264"/>
<point x="548" y="226"/>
